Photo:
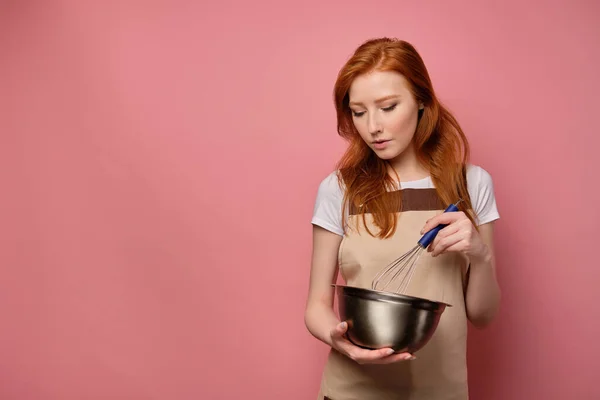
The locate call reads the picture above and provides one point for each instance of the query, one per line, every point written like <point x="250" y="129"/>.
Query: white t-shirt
<point x="327" y="211"/>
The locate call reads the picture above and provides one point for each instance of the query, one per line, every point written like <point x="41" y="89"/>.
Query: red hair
<point x="439" y="141"/>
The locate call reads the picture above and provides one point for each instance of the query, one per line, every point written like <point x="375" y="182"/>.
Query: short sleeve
<point x="327" y="211"/>
<point x="481" y="190"/>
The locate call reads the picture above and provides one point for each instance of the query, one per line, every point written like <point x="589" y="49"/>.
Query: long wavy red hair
<point x="439" y="141"/>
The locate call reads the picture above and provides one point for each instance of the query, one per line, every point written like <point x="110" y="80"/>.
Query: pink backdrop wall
<point x="159" y="167"/>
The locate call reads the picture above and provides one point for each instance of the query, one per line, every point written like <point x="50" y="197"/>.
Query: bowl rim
<point x="373" y="294"/>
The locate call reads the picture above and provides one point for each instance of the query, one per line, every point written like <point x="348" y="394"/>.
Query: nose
<point x="373" y="124"/>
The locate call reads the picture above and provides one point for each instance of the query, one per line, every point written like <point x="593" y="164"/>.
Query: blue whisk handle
<point x="429" y="236"/>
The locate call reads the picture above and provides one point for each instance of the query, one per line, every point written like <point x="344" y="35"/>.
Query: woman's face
<point x="384" y="112"/>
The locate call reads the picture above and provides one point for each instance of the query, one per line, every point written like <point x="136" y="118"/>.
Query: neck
<point x="407" y="166"/>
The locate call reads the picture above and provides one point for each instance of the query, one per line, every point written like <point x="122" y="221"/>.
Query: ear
<point x="421" y="106"/>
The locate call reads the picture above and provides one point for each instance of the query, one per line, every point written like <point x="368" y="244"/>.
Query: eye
<point x="357" y="114"/>
<point x="390" y="108"/>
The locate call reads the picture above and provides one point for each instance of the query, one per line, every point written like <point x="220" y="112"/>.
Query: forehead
<point x="373" y="85"/>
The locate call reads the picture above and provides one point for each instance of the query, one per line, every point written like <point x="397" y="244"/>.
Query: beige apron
<point x="439" y="371"/>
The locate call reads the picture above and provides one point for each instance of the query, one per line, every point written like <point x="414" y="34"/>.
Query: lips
<point x="380" y="144"/>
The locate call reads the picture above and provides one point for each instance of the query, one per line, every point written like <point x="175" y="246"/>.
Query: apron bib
<point x="439" y="371"/>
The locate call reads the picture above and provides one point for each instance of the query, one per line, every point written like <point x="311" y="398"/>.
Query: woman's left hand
<point x="460" y="235"/>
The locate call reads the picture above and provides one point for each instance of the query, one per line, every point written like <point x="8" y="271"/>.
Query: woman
<point x="406" y="161"/>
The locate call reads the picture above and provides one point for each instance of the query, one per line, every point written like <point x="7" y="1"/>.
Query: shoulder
<point x="330" y="186"/>
<point x="327" y="211"/>
<point x="477" y="176"/>
<point x="481" y="190"/>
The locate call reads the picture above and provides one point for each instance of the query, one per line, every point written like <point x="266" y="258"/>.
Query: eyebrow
<point x="380" y="100"/>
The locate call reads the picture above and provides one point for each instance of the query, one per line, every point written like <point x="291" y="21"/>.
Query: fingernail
<point x="390" y="351"/>
<point x="343" y="325"/>
<point x="410" y="358"/>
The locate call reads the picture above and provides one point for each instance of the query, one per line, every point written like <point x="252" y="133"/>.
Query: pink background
<point x="159" y="167"/>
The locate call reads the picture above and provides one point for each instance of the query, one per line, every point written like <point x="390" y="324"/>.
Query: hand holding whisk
<point x="388" y="276"/>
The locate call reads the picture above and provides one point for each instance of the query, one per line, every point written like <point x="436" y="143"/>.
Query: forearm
<point x="483" y="292"/>
<point x="320" y="320"/>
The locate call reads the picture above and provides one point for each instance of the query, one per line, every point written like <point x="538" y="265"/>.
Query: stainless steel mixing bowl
<point x="379" y="319"/>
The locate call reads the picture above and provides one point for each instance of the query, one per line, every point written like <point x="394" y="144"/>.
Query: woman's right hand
<point x="360" y="355"/>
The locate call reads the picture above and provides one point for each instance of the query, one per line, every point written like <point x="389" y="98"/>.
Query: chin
<point x="387" y="154"/>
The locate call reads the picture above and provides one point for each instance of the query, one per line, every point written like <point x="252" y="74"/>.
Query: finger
<point x="463" y="229"/>
<point x="442" y="234"/>
<point x="459" y="246"/>
<point x="395" y="358"/>
<point x="341" y="343"/>
<point x="339" y="330"/>
<point x="364" y="355"/>
<point x="450" y="243"/>
<point x="379" y="354"/>
<point x="445" y="218"/>
<point x="390" y="359"/>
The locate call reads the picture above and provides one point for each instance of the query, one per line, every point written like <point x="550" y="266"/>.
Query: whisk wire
<point x="407" y="260"/>
<point x="396" y="268"/>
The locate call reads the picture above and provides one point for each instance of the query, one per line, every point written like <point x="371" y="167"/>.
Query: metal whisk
<point x="387" y="276"/>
